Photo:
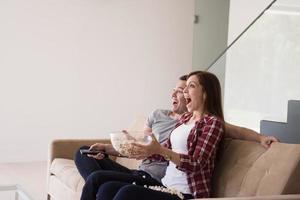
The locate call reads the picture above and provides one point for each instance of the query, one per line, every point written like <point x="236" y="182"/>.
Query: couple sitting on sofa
<point x="186" y="161"/>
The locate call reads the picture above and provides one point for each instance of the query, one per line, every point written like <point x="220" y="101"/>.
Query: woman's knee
<point x="109" y="189"/>
<point x="128" y="192"/>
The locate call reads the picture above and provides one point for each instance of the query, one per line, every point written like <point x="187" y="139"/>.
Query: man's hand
<point x="99" y="147"/>
<point x="266" y="141"/>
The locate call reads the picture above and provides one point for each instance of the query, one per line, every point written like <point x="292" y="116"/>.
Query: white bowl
<point x="122" y="141"/>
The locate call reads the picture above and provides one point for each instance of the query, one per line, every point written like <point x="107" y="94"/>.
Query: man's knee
<point x="97" y="178"/>
<point x="93" y="177"/>
<point x="78" y="155"/>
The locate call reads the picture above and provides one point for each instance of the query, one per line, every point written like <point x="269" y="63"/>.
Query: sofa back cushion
<point x="245" y="168"/>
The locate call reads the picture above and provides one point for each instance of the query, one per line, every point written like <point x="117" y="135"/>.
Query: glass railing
<point x="260" y="71"/>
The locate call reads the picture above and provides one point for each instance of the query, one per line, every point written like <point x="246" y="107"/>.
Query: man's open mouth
<point x="175" y="103"/>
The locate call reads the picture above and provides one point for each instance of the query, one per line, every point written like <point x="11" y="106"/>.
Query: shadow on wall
<point x="286" y="132"/>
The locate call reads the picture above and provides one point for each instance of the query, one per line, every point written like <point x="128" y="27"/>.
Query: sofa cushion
<point x="247" y="169"/>
<point x="66" y="171"/>
<point x="60" y="191"/>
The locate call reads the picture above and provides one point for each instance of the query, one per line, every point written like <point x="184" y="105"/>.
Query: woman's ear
<point x="204" y="95"/>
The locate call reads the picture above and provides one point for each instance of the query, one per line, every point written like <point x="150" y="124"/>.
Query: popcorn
<point x="123" y="142"/>
<point x="125" y="148"/>
<point x="163" y="189"/>
<point x="167" y="190"/>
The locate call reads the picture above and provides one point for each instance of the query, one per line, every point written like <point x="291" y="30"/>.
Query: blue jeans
<point x="123" y="191"/>
<point x="96" y="172"/>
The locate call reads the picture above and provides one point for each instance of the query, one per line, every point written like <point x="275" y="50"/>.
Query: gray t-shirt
<point x="162" y="125"/>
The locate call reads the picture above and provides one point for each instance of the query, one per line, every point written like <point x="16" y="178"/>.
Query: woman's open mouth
<point x="188" y="100"/>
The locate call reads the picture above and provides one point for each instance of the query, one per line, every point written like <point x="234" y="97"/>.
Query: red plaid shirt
<point x="202" y="144"/>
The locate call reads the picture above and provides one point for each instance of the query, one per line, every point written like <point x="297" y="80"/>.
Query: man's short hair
<point x="183" y="78"/>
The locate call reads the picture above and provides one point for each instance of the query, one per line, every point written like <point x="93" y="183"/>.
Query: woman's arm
<point x="169" y="155"/>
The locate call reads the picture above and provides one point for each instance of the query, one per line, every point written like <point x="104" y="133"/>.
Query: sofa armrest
<point x="66" y="148"/>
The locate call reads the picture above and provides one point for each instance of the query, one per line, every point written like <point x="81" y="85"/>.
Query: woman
<point x="190" y="150"/>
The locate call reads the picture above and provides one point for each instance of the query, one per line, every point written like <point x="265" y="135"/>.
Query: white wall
<point x="81" y="68"/>
<point x="262" y="71"/>
<point x="242" y="13"/>
<point x="210" y="33"/>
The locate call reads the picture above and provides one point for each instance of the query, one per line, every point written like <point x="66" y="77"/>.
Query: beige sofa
<point x="245" y="170"/>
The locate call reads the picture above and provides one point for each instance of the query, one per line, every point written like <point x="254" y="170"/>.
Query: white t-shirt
<point x="175" y="178"/>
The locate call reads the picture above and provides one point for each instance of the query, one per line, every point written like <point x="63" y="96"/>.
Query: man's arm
<point x="237" y="132"/>
<point x="147" y="130"/>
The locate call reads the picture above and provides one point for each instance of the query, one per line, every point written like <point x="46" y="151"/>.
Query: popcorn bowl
<point x="122" y="141"/>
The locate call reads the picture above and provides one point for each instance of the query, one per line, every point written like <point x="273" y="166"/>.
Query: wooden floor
<point x="30" y="176"/>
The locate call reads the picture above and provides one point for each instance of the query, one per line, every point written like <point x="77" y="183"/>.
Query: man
<point x="98" y="169"/>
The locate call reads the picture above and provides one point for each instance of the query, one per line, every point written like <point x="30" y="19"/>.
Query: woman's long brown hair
<point x="211" y="86"/>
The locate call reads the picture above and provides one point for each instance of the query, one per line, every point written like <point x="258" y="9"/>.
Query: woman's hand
<point x="142" y="151"/>
<point x="128" y="136"/>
